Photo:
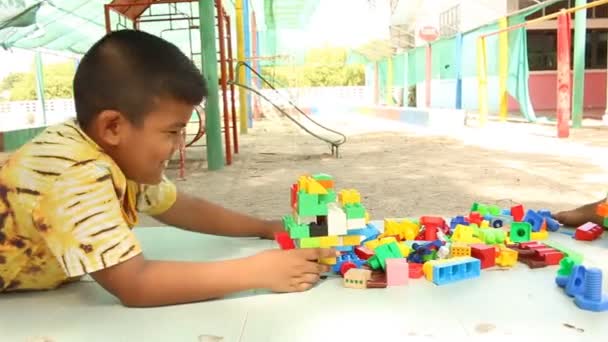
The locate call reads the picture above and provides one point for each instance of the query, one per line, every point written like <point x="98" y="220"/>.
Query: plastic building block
<point x="577" y="258"/>
<point x="383" y="252"/>
<point x="336" y="220"/>
<point x="397" y="272"/>
<point x="552" y="224"/>
<point x="566" y="266"/>
<point x="311" y="186"/>
<point x="484" y="224"/>
<point x="520" y="231"/>
<point x="324" y="179"/>
<point x="308" y="205"/>
<point x="458" y="220"/>
<point x="354" y="211"/>
<point x="357" y="278"/>
<point x="534" y="219"/>
<point x="460" y="250"/>
<point x="294" y="195"/>
<point x="475" y="217"/>
<point x="327" y="198"/>
<point x="405" y="250"/>
<point x="349" y="196"/>
<point x="479" y="208"/>
<point x="369" y="232"/>
<point x="363" y="252"/>
<point x="506" y="257"/>
<point x="406" y="229"/>
<point x="492" y="236"/>
<point x="284" y="241"/>
<point x="576" y="281"/>
<point x="442" y="272"/>
<point x="299" y="231"/>
<point x="592" y="299"/>
<point x="605" y="223"/>
<point x="602" y="209"/>
<point x="355" y="223"/>
<point x="378" y="280"/>
<point x="501" y="221"/>
<point x="517" y="212"/>
<point x="351" y="240"/>
<point x="486" y="255"/>
<point x="347" y="258"/>
<point x="309" y="242"/>
<point x="588" y="232"/>
<point x="494" y="210"/>
<point x="345" y="266"/>
<point x="329" y="241"/>
<point x="327" y="261"/>
<point x="318" y="229"/>
<point x="539" y="236"/>
<point x="415" y="270"/>
<point x="464" y="234"/>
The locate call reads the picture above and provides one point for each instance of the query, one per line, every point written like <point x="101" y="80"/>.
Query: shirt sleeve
<point x="82" y="222"/>
<point x="158" y="198"/>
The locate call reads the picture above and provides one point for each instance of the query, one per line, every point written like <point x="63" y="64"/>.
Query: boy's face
<point x="142" y="152"/>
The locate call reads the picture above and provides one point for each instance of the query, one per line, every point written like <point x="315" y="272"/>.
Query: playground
<point x="451" y="109"/>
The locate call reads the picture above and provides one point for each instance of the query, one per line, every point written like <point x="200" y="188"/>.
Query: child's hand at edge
<point x="291" y="270"/>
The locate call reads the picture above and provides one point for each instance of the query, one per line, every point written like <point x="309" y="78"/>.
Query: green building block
<point x="383" y="252"/>
<point x="482" y="209"/>
<point x="330" y="197"/>
<point x="494" y="210"/>
<point x="606" y="222"/>
<point x="565" y="266"/>
<point x="289" y="222"/>
<point x="474" y="206"/>
<point x="309" y="242"/>
<point x="491" y="236"/>
<point x="520" y="232"/>
<point x="299" y="231"/>
<point x="354" y="211"/>
<point x="322" y="176"/>
<point x="308" y="205"/>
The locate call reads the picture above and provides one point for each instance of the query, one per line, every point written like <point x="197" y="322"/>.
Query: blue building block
<point x="488" y="217"/>
<point x="457" y="270"/>
<point x="345" y="248"/>
<point x="576" y="281"/>
<point x="534" y="219"/>
<point x="506" y="212"/>
<point x="457" y="220"/>
<point x="370" y="232"/>
<point x="592" y="299"/>
<point x="552" y="224"/>
<point x="347" y="257"/>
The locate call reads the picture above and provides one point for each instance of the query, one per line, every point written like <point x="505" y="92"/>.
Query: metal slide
<point x="335" y="143"/>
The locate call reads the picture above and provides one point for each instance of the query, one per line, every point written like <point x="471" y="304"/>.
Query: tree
<point x="57" y="83"/>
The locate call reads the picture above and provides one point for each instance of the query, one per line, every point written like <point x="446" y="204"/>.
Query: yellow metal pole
<point x="482" y="80"/>
<point x="240" y="55"/>
<point x="503" y="69"/>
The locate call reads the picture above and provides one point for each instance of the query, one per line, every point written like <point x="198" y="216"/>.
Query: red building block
<point x="284" y="241"/>
<point x="517" y="212"/>
<point x="364" y="252"/>
<point x="588" y="232"/>
<point x="550" y="256"/>
<point x="430" y="233"/>
<point x="415" y="271"/>
<point x="475" y="217"/>
<point x="485" y="254"/>
<point x="294" y="195"/>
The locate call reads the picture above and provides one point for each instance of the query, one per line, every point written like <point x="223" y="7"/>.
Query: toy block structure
<point x="323" y="218"/>
<point x="447" y="271"/>
<point x="588" y="232"/>
<point x="536" y="255"/>
<point x="585" y="285"/>
<point x="486" y="255"/>
<point x="404" y="228"/>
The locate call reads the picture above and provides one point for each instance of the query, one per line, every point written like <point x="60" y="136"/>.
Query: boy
<point x="581" y="215"/>
<point x="69" y="198"/>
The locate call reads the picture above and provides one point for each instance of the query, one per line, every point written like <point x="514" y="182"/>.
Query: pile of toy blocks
<point x="582" y="283"/>
<point x="405" y="248"/>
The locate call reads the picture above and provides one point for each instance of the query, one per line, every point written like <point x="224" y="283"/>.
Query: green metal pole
<point x="40" y="84"/>
<point x="209" y="62"/>
<point x="578" y="84"/>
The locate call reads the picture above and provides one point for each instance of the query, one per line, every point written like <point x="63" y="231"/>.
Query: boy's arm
<point x="199" y="215"/>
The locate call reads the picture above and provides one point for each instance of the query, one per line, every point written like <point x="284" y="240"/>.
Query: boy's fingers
<point x="318" y="253"/>
<point x="313" y="267"/>
<point x="310" y="278"/>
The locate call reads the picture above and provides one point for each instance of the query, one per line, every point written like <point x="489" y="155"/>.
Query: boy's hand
<point x="291" y="270"/>
<point x="270" y="228"/>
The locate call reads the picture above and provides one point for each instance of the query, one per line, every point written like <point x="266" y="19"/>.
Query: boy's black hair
<point x="128" y="71"/>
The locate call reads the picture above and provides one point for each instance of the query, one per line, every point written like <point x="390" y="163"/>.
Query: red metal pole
<point x="428" y="76"/>
<point x="564" y="82"/>
<point x="235" y="135"/>
<point x="220" y="24"/>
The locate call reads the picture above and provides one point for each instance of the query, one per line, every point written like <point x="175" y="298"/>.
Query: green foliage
<point x="57" y="83"/>
<point x="323" y="67"/>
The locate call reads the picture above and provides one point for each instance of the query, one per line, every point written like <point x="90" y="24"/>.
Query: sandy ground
<point x="407" y="171"/>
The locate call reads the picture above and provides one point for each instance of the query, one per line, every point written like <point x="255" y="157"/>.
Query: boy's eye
<point x="173" y="132"/>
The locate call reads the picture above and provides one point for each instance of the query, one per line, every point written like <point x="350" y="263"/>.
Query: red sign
<point x="428" y="33"/>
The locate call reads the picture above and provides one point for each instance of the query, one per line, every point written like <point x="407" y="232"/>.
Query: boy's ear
<point x="111" y="126"/>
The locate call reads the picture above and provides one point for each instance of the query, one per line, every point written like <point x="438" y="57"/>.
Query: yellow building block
<point x="351" y="240"/>
<point x="349" y="196"/>
<point x="464" y="234"/>
<point x="367" y="217"/>
<point x="427" y="269"/>
<point x="538" y="236"/>
<point x="484" y="224"/>
<point x="405" y="249"/>
<point x="329" y="241"/>
<point x="406" y="229"/>
<point x="387" y="239"/>
<point x="506" y="257"/>
<point x="311" y="186"/>
<point x="371" y="244"/>
<point x="328" y="261"/>
<point x="457" y="250"/>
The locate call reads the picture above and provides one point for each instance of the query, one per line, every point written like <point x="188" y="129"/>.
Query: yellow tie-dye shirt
<point x="66" y="210"/>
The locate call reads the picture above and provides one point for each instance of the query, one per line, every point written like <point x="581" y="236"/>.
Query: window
<point x="449" y="22"/>
<point x="542" y="47"/>
<point x="594" y="12"/>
